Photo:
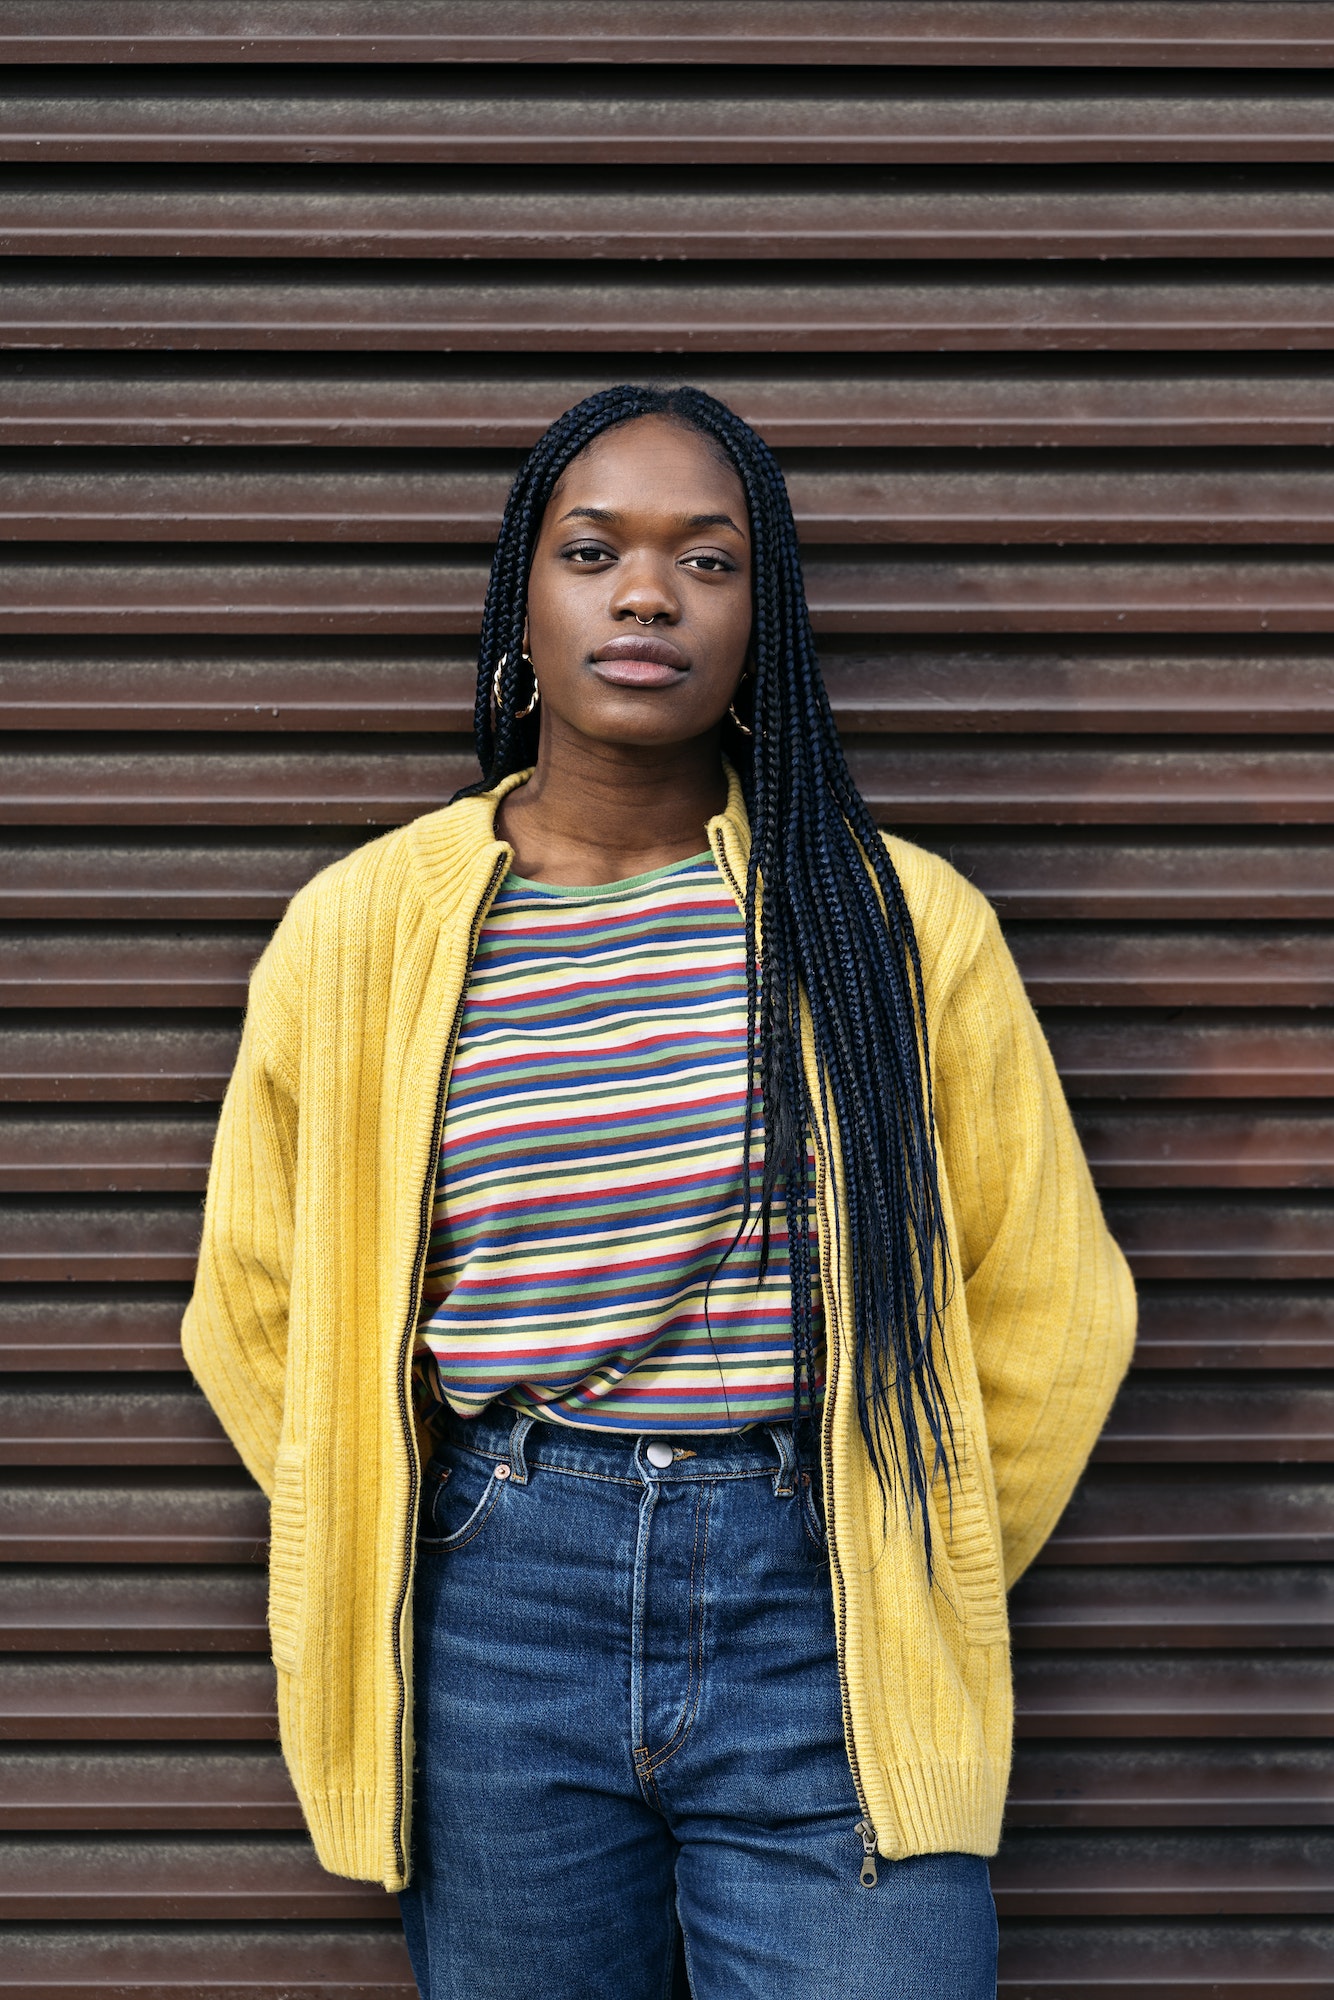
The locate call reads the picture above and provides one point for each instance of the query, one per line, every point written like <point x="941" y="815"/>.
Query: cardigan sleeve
<point x="1050" y="1302"/>
<point x="235" y="1329"/>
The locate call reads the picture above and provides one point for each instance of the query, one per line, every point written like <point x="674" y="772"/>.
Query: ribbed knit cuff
<point x="943" y="1808"/>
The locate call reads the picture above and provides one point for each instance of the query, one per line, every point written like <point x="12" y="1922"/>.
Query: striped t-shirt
<point x="591" y="1169"/>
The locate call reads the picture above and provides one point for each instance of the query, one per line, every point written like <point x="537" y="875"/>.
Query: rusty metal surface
<point x="848" y="497"/>
<point x="251" y="1878"/>
<point x="108" y="965"/>
<point x="1158" y="1874"/>
<point x="114" y="1787"/>
<point x="1245" y="1326"/>
<point x="128" y="1610"/>
<point x="465" y="403"/>
<point x="110" y="1516"/>
<point x="59" y="1328"/>
<point x="1279" y="1605"/>
<point x="664" y="117"/>
<point x="625" y="309"/>
<point x="263" y="1961"/>
<point x="1045" y="353"/>
<point x="362" y="590"/>
<point x="1266" y="1783"/>
<point x="1099" y="32"/>
<point x="383" y="213"/>
<point x="56" y="1697"/>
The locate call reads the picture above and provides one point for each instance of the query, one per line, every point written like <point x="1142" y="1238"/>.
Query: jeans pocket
<point x="460" y="1492"/>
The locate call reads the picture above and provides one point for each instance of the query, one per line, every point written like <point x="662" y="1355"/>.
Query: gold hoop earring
<point x="520" y="714"/>
<point x="731" y="710"/>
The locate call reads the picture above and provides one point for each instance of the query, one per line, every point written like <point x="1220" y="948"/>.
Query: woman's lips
<point x="637" y="672"/>
<point x="640" y="661"/>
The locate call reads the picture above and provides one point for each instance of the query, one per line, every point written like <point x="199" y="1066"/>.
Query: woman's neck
<point x="596" y="812"/>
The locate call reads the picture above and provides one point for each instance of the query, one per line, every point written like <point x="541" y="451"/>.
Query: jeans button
<point x="659" y="1454"/>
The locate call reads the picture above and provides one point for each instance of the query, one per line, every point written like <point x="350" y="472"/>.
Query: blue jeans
<point x="628" y="1720"/>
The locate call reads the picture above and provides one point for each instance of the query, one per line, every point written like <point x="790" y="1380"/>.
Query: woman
<point x="673" y="1169"/>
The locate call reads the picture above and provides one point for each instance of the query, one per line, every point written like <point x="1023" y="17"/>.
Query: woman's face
<point x="639" y="605"/>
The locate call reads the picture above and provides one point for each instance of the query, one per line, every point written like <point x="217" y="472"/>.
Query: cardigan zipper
<point x="865" y="1826"/>
<point x="404" y="1359"/>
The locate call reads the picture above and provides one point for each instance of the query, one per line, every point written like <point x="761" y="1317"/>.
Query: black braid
<point x="837" y="934"/>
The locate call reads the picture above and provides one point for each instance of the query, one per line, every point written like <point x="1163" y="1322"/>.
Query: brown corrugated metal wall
<point x="1035" y="300"/>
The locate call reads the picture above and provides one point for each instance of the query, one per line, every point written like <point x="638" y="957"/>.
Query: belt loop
<point x="518" y="1463"/>
<point x="785" y="1476"/>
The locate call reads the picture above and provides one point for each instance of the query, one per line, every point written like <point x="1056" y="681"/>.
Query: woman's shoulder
<point x="425" y="865"/>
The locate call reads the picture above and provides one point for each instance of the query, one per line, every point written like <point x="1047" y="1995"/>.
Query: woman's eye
<point x="709" y="563"/>
<point x="588" y="554"/>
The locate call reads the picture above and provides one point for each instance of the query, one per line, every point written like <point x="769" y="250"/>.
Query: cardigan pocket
<point x="287" y="1559"/>
<point x="972" y="1556"/>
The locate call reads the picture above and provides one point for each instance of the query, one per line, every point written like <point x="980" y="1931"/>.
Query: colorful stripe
<point x="584" y="1263"/>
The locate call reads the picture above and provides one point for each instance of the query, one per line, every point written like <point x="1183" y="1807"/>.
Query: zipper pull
<point x="869" y="1875"/>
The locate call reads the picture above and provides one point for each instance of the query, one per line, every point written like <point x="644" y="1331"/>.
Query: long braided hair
<point x="837" y="937"/>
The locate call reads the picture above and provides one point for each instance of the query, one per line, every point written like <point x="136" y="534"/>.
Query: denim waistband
<point x="525" y="1443"/>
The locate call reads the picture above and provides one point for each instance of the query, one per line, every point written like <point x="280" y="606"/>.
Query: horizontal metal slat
<point x="114" y="1787"/>
<point x="1146" y="1145"/>
<point x="193" y="876"/>
<point x="143" y="1517"/>
<point x="1119" y="1515"/>
<point x="253" y="1879"/>
<point x="1185" y="1422"/>
<point x="1223" y="32"/>
<point x="54" y="965"/>
<point x="134" y="1421"/>
<point x="162" y="1609"/>
<point x="899" y="307"/>
<point x="1036" y="1874"/>
<point x="1192" y="1514"/>
<point x="1241" y="964"/>
<point x="179" y="1961"/>
<point x="1234" y="1326"/>
<point x="1274" y="1605"/>
<point x="1051" y="1874"/>
<point x="135" y="1327"/>
<point x="59" y="1699"/>
<point x="130" y="1151"/>
<point x="1131" y="1784"/>
<point x="1164" y="1694"/>
<point x="1094" y="874"/>
<point x="365" y="686"/>
<point x="125" y="1610"/>
<point x="355" y="591"/>
<point x="75" y="1328"/>
<point x="383" y="213"/>
<point x="1191" y="1960"/>
<point x="1109" y="1053"/>
<point x="55" y="1238"/>
<point x="1007" y="497"/>
<point x="1139" y="1145"/>
<point x="1105" y="965"/>
<point x="233" y="875"/>
<point x="378" y="781"/>
<point x="516" y="116"/>
<point x="138" y="1058"/>
<point x="383" y="780"/>
<point x="463" y="402"/>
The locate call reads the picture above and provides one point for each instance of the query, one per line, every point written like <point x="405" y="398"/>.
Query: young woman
<point x="649" y="1264"/>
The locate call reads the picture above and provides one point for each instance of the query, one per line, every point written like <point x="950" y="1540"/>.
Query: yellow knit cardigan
<point x="301" y="1327"/>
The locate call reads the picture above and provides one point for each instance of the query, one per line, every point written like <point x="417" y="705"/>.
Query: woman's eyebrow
<point x="610" y="516"/>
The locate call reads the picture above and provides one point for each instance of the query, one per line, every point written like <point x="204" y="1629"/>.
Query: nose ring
<point x="651" y="619"/>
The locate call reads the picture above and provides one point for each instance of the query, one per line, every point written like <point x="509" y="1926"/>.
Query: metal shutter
<point x="1033" y="299"/>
